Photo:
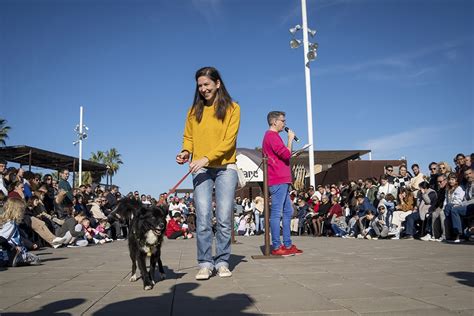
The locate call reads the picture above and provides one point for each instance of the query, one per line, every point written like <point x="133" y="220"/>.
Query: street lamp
<point x="81" y="135"/>
<point x="310" y="54"/>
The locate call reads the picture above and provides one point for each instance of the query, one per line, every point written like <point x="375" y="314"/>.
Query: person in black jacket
<point x="72" y="229"/>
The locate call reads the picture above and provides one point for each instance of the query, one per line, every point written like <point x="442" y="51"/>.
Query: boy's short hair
<point x="274" y="115"/>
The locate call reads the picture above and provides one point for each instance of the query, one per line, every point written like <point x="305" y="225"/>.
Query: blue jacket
<point x="365" y="206"/>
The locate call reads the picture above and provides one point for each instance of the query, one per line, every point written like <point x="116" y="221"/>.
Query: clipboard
<point x="300" y="151"/>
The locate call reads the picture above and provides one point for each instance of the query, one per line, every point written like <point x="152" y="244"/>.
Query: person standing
<point x="209" y="140"/>
<point x="279" y="180"/>
<point x="64" y="185"/>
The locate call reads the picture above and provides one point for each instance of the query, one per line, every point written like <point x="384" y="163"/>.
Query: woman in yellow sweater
<point x="210" y="137"/>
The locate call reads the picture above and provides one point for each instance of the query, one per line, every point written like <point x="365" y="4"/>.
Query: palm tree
<point x="97" y="157"/>
<point x="3" y="131"/>
<point x="112" y="160"/>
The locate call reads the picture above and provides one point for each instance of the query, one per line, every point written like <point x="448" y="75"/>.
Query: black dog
<point x="147" y="227"/>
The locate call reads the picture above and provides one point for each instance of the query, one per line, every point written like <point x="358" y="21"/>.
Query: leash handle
<point x="179" y="182"/>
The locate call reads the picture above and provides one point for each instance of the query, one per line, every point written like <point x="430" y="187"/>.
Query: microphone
<point x="296" y="138"/>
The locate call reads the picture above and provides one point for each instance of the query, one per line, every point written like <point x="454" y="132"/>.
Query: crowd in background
<point x="403" y="204"/>
<point x="38" y="211"/>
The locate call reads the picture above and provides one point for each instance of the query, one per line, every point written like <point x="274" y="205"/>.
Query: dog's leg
<point x="152" y="267"/>
<point x="160" y="264"/>
<point x="133" y="256"/>
<point x="147" y="285"/>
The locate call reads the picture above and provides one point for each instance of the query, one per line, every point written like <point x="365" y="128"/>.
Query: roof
<point x="321" y="157"/>
<point x="46" y="159"/>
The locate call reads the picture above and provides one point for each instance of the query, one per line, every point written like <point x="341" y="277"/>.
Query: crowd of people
<point x="403" y="205"/>
<point x="38" y="211"/>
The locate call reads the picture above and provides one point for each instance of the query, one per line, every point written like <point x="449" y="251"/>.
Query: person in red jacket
<point x="175" y="229"/>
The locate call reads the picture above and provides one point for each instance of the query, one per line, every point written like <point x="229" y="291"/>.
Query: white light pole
<point x="81" y="136"/>
<point x="310" y="53"/>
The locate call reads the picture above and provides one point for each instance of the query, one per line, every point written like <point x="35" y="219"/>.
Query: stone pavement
<point x="333" y="277"/>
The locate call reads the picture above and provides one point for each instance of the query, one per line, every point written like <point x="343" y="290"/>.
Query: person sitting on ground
<point x="16" y="190"/>
<point x="72" y="230"/>
<point x="403" y="179"/>
<point x="380" y="224"/>
<point x="321" y="215"/>
<point x="335" y="212"/>
<point x="386" y="187"/>
<point x="416" y="180"/>
<point x="14" y="210"/>
<point x="444" y="168"/>
<point x="34" y="223"/>
<point x="454" y="197"/>
<point x="175" y="229"/>
<point x="246" y="224"/>
<point x="425" y="206"/>
<point x="405" y="207"/>
<point x="466" y="208"/>
<point x="368" y="232"/>
<point x="438" y="219"/>
<point x="100" y="232"/>
<point x="434" y="175"/>
<point x="358" y="223"/>
<point x="371" y="191"/>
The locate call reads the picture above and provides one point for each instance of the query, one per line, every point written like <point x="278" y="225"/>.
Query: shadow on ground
<point x="55" y="308"/>
<point x="464" y="277"/>
<point x="180" y="301"/>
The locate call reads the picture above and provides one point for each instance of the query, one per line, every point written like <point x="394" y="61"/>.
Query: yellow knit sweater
<point x="212" y="138"/>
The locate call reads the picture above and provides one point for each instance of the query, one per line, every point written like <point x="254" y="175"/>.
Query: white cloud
<point x="390" y="145"/>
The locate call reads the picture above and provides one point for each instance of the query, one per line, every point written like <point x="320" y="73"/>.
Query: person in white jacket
<point x="385" y="188"/>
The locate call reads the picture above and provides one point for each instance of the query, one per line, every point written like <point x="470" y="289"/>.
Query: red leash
<point x="177" y="184"/>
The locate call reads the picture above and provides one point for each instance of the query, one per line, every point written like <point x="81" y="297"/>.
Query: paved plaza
<point x="333" y="277"/>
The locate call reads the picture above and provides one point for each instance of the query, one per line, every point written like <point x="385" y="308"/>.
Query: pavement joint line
<point x="114" y="287"/>
<point x="176" y="281"/>
<point x="52" y="287"/>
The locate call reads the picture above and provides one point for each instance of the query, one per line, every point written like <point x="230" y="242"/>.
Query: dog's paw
<point x="148" y="287"/>
<point x="133" y="278"/>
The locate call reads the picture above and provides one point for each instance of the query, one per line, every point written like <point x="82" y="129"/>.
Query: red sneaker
<point x="282" y="251"/>
<point x="294" y="250"/>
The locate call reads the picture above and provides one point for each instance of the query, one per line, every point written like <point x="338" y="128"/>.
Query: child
<point x="72" y="230"/>
<point x="100" y="235"/>
<point x="14" y="210"/>
<point x="380" y="224"/>
<point x="246" y="225"/>
<point x="175" y="229"/>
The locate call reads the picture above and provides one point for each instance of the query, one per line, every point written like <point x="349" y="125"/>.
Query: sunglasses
<point x="433" y="168"/>
<point x="390" y="170"/>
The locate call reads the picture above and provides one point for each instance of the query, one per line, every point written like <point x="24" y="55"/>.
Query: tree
<point x="112" y="160"/>
<point x="3" y="131"/>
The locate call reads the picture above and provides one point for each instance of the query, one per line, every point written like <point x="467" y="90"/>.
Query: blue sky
<point x="395" y="77"/>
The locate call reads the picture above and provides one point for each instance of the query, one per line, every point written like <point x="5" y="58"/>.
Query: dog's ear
<point x="161" y="210"/>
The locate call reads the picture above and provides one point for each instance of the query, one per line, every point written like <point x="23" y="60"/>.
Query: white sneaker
<point x="58" y="242"/>
<point x="427" y="237"/>
<point x="246" y="234"/>
<point x="224" y="272"/>
<point x="360" y="236"/>
<point x="203" y="274"/>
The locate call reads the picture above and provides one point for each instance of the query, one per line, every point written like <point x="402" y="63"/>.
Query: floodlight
<point x="313" y="46"/>
<point x="295" y="43"/>
<point x="312" y="55"/>
<point x="311" y="32"/>
<point x="295" y="29"/>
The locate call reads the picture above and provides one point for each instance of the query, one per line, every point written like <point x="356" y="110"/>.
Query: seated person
<point x="175" y="229"/>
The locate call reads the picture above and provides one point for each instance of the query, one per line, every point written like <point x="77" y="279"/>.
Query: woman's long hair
<point x="13" y="210"/>
<point x="222" y="101"/>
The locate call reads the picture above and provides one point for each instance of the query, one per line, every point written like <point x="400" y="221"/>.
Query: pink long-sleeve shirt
<point x="278" y="158"/>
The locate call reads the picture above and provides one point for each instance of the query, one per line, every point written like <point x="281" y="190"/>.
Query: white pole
<point x="307" y="74"/>
<point x="370" y="155"/>
<point x="80" y="146"/>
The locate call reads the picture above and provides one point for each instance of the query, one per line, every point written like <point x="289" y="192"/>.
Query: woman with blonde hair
<point x="13" y="212"/>
<point x="444" y="168"/>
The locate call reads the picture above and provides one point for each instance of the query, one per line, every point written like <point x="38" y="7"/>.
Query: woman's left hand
<point x="195" y="165"/>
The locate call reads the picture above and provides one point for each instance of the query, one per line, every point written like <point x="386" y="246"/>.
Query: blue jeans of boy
<point x="224" y="180"/>
<point x="281" y="209"/>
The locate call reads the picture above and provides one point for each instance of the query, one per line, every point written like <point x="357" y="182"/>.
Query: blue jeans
<point x="456" y="213"/>
<point x="258" y="221"/>
<point x="224" y="181"/>
<point x="281" y="205"/>
<point x="410" y="222"/>
<point x="338" y="230"/>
